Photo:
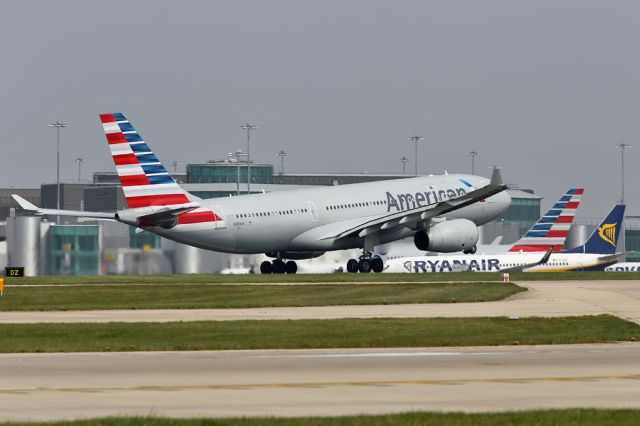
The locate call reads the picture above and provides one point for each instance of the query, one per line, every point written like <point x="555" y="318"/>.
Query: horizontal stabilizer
<point x="28" y="206"/>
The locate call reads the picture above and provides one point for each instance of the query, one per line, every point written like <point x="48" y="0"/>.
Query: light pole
<point x="237" y="154"/>
<point x="282" y="154"/>
<point x="57" y="125"/>
<point x="404" y="160"/>
<point x="249" y="127"/>
<point x="473" y="155"/>
<point x="416" y="139"/>
<point x="175" y="165"/>
<point x="79" y="160"/>
<point x="622" y="146"/>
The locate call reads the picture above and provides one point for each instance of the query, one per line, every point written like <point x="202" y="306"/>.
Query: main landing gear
<point x="472" y="250"/>
<point x="365" y="264"/>
<point x="278" y="266"/>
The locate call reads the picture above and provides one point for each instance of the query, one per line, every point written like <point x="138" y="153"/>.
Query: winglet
<point x="25" y="204"/>
<point x="546" y="256"/>
<point x="496" y="176"/>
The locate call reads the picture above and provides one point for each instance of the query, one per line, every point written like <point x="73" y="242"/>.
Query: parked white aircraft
<point x="597" y="253"/>
<point x="441" y="212"/>
<point x="624" y="267"/>
<point x="550" y="231"/>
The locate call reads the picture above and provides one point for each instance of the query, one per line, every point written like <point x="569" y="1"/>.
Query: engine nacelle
<point x="129" y="216"/>
<point x="147" y="216"/>
<point x="450" y="236"/>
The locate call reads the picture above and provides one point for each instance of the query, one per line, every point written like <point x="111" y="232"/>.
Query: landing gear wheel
<point x="364" y="266"/>
<point x="291" y="267"/>
<point x="352" y="265"/>
<point x="265" y="267"/>
<point x="278" y="266"/>
<point x="472" y="250"/>
<point x="377" y="265"/>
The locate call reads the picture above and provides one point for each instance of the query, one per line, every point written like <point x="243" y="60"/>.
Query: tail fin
<point x="144" y="179"/>
<point x="551" y="230"/>
<point x="605" y="238"/>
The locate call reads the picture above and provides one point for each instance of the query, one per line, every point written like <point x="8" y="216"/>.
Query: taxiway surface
<point x="544" y="299"/>
<point x="317" y="382"/>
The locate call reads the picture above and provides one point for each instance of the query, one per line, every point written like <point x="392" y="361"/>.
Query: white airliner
<point x="595" y="255"/>
<point x="550" y="231"/>
<point x="441" y="212"/>
<point x="624" y="267"/>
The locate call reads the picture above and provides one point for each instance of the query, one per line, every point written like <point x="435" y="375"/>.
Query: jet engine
<point x="450" y="236"/>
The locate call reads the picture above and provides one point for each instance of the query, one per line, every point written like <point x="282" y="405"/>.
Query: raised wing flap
<point x="408" y="218"/>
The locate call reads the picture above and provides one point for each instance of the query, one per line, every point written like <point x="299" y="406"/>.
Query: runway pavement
<point x="544" y="299"/>
<point x="317" y="382"/>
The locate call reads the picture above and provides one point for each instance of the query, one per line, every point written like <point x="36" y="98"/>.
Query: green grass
<point x="315" y="278"/>
<point x="571" y="417"/>
<point x="165" y="296"/>
<point x="303" y="334"/>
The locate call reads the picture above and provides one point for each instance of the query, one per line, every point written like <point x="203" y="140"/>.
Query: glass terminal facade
<point x="144" y="239"/>
<point x="74" y="250"/>
<point x="523" y="211"/>
<point x="225" y="172"/>
<point x="632" y="243"/>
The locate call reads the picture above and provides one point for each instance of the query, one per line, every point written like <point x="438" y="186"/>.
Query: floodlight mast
<point x="249" y="127"/>
<point x="79" y="160"/>
<point x="282" y="154"/>
<point x="57" y="125"/>
<point x="622" y="146"/>
<point x="237" y="154"/>
<point x="473" y="155"/>
<point x="404" y="160"/>
<point x="416" y="139"/>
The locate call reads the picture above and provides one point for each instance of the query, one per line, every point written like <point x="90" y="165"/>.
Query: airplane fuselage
<point x="298" y="220"/>
<point x="496" y="263"/>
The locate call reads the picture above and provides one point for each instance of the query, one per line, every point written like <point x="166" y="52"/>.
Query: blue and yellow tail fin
<point x="604" y="239"/>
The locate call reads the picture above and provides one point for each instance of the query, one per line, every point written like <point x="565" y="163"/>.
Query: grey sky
<point x="543" y="88"/>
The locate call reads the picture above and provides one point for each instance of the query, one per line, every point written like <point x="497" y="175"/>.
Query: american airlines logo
<point x="608" y="233"/>
<point x="408" y="201"/>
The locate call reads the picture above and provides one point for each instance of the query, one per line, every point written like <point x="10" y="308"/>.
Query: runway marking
<point x="241" y="386"/>
<point x="381" y="354"/>
<point x="300" y="283"/>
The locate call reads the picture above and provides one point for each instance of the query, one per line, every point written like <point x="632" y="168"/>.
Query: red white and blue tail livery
<point x="144" y="179"/>
<point x="551" y="230"/>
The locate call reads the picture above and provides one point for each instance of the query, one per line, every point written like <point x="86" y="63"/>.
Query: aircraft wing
<point x="613" y="257"/>
<point x="26" y="205"/>
<point x="410" y="218"/>
<point x="545" y="259"/>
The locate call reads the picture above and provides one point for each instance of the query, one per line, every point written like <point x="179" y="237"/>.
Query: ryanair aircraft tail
<point x="550" y="231"/>
<point x="605" y="238"/>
